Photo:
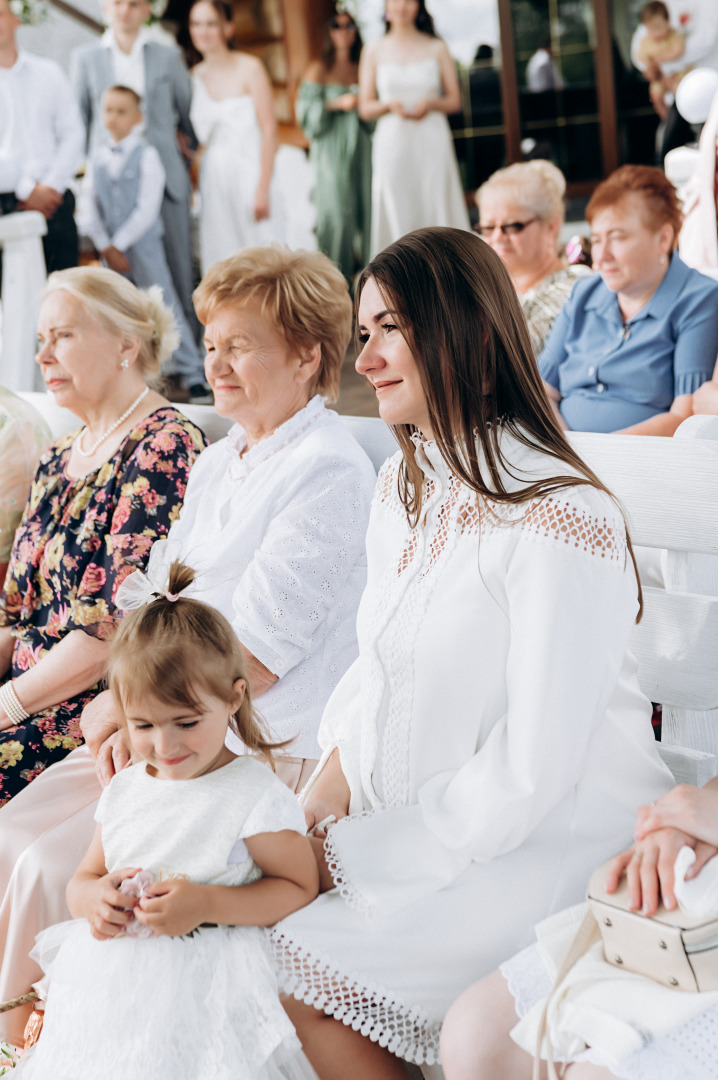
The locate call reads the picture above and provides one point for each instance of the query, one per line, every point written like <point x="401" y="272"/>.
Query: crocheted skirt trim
<point x="403" y="1029"/>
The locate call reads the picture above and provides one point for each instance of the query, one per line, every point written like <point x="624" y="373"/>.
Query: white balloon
<point x="695" y="94"/>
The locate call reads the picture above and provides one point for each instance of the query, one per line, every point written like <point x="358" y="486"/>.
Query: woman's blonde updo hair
<point x="123" y="309"/>
<point x="537" y="186"/>
<point x="301" y="294"/>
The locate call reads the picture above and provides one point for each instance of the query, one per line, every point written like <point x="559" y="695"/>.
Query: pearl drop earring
<point x="124" y="363"/>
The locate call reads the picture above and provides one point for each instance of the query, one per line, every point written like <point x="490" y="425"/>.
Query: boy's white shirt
<point x="149" y="199"/>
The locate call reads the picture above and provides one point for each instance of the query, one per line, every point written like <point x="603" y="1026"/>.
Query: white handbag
<point x="677" y="950"/>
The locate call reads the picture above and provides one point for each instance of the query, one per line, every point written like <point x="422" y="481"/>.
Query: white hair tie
<point x="140" y="588"/>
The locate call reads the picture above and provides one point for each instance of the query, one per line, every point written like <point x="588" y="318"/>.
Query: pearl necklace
<point x="111" y="428"/>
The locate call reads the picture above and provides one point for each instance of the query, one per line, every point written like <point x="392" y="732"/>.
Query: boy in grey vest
<point x="120" y="212"/>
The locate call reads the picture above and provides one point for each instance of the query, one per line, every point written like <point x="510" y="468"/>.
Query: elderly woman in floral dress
<point x="99" y="499"/>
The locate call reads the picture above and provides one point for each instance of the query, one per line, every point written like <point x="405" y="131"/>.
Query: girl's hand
<point x="173" y="907"/>
<point x="261" y="205"/>
<point x="691" y="809"/>
<point x="106" y="909"/>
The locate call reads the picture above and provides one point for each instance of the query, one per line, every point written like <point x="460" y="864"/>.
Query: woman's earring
<point x="124" y="363"/>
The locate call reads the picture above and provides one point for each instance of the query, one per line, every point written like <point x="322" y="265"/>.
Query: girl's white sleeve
<point x="571" y="611"/>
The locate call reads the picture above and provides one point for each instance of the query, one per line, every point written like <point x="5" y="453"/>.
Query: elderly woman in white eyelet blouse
<point x="273" y="523"/>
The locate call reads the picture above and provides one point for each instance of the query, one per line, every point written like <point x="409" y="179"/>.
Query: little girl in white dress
<point x="164" y="973"/>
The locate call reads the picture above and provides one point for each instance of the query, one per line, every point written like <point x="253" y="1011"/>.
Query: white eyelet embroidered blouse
<point x="276" y="538"/>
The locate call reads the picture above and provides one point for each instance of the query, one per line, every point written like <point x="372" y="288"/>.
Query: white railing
<point x="23" y="280"/>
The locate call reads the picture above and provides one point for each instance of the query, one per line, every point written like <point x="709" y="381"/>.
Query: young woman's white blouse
<point x="277" y="539"/>
<point x="494" y="737"/>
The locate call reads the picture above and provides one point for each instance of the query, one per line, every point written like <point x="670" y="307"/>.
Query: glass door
<point x="555" y="56"/>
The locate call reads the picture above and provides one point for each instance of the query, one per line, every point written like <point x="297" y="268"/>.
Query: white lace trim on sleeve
<point x="348" y="892"/>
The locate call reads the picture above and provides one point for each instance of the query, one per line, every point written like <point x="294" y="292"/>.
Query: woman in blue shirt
<point x="633" y="342"/>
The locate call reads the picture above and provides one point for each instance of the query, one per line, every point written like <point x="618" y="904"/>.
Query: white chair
<point x="669" y="490"/>
<point x="22" y="284"/>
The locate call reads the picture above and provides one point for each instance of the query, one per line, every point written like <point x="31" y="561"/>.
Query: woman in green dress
<point x="340" y="151"/>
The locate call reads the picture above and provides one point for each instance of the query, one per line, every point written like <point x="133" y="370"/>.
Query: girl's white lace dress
<point x="495" y="740"/>
<point x="201" y="1007"/>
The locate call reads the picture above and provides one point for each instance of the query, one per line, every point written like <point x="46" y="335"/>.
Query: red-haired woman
<point x="633" y="341"/>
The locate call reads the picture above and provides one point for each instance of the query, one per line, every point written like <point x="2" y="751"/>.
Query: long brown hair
<point x="171" y="649"/>
<point x="460" y="316"/>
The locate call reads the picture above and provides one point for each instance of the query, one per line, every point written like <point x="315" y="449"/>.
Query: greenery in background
<point x="30" y="13"/>
<point x="8" y="1057"/>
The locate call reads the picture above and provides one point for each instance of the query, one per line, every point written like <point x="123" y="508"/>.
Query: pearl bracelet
<point x="11" y="703"/>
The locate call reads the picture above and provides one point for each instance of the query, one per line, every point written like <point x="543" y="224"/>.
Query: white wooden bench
<point x="669" y="490"/>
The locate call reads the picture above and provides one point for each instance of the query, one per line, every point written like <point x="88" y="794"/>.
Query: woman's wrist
<point x="11" y="705"/>
<point x="330" y="787"/>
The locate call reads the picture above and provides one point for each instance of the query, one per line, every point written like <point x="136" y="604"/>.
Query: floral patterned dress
<point x="77" y="541"/>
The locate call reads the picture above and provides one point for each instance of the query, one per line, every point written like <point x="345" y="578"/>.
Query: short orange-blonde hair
<point x="301" y="294"/>
<point x="654" y="189"/>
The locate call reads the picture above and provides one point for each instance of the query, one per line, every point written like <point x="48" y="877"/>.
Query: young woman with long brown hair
<point x="491" y="744"/>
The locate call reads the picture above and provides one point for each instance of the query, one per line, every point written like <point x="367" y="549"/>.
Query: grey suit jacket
<point x="168" y="94"/>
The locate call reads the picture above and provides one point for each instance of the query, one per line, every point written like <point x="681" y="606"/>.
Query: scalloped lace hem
<point x="348" y="892"/>
<point x="527" y="978"/>
<point x="402" y="1029"/>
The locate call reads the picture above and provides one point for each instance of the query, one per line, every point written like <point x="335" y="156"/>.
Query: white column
<point x="23" y="281"/>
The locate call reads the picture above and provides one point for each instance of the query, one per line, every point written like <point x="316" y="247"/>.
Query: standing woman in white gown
<point x="252" y="193"/>
<point x="408" y="83"/>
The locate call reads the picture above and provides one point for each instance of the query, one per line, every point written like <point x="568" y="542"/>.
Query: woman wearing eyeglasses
<point x="633" y="342"/>
<point x="340" y="153"/>
<point x="521" y="210"/>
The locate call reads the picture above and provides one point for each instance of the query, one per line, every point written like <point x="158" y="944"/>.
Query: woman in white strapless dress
<point x="251" y="191"/>
<point x="408" y="83"/>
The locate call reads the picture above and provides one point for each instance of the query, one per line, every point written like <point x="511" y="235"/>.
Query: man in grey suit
<point x="126" y="55"/>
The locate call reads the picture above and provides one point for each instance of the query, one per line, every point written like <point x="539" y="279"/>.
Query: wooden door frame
<point x="605" y="85"/>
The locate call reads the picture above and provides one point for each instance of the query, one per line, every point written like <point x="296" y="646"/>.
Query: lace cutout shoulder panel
<point x="566" y="518"/>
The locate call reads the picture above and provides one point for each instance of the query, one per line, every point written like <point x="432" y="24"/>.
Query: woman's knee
<point x="301" y="1014"/>
<point x="475" y="1041"/>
